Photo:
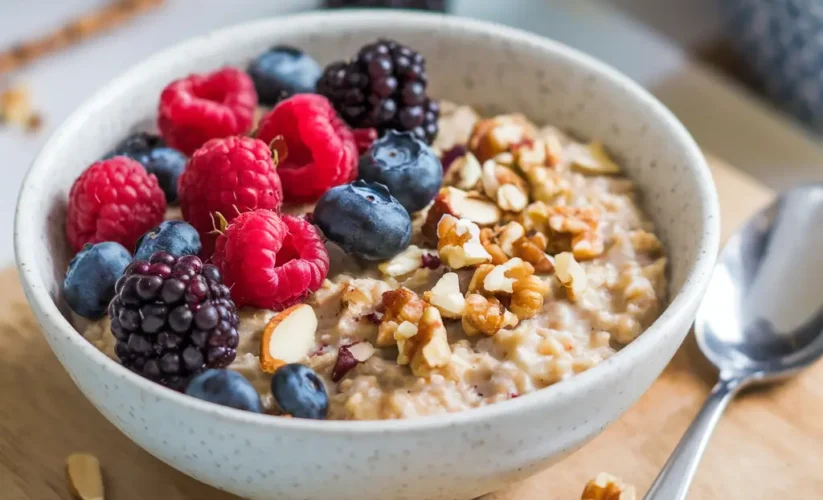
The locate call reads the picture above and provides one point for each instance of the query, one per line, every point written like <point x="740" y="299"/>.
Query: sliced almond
<point x="84" y="476"/>
<point x="511" y="199"/>
<point x="591" y="159"/>
<point x="464" y="172"/>
<point x="362" y="351"/>
<point x="408" y="261"/>
<point x="288" y="337"/>
<point x="462" y="205"/>
<point x="446" y="296"/>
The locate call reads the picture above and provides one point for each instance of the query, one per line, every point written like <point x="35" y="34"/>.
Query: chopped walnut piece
<point x="486" y="315"/>
<point x="476" y="283"/>
<point x="527" y="296"/>
<point x="488" y="240"/>
<point x="532" y="248"/>
<point x="428" y="348"/>
<point x="591" y="158"/>
<point x="503" y="277"/>
<point x="607" y="487"/>
<point x="493" y="136"/>
<point x="446" y="296"/>
<point x="401" y="306"/>
<point x="580" y="226"/>
<point x="511" y="240"/>
<point x="571" y="275"/>
<point x="459" y="243"/>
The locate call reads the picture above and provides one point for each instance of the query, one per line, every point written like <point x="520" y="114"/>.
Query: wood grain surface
<point x="769" y="445"/>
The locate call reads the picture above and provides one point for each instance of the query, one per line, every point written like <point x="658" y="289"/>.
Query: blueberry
<point x="90" y="279"/>
<point x="173" y="236"/>
<point x="300" y="392"/>
<point x="283" y="71"/>
<point x="405" y="164"/>
<point x="227" y="388"/>
<point x="158" y="159"/>
<point x="364" y="219"/>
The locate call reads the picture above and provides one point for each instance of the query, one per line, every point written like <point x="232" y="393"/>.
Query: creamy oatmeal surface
<point x="534" y="263"/>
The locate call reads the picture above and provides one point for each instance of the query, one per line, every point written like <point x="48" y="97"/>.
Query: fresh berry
<point x="89" y="283"/>
<point x="407" y="166"/>
<point x="384" y="87"/>
<point x="227" y="388"/>
<point x="271" y="261"/>
<point x="364" y="138"/>
<point x="113" y="200"/>
<point x="176" y="237"/>
<point x="300" y="392"/>
<point x="365" y="220"/>
<point x="151" y="152"/>
<point x="436" y="5"/>
<point x="228" y="176"/>
<point x="283" y="70"/>
<point x="173" y="318"/>
<point x="321" y="148"/>
<point x="202" y="107"/>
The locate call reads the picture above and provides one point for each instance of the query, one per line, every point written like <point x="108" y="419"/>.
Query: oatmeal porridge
<point x="533" y="263"/>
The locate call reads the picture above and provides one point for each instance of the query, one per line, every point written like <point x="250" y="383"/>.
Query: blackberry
<point x="173" y="318"/>
<point x="384" y="87"/>
<point x="436" y="5"/>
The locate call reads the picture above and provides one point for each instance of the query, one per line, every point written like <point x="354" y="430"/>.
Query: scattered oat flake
<point x="16" y="109"/>
<point x="84" y="476"/>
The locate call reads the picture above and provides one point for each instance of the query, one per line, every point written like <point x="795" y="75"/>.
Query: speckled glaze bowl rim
<point x="661" y="331"/>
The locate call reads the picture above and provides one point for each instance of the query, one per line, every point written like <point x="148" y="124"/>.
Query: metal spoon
<point x="761" y="320"/>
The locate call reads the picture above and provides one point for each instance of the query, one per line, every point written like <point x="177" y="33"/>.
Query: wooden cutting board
<point x="769" y="445"/>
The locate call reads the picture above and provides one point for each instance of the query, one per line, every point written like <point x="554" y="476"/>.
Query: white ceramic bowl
<point x="451" y="456"/>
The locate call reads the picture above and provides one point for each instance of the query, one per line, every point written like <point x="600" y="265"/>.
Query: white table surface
<point x="723" y="118"/>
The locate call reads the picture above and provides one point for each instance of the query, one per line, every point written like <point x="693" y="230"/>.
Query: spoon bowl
<point x="761" y="319"/>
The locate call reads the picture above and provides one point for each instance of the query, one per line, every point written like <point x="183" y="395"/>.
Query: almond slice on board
<point x="84" y="476"/>
<point x="288" y="337"/>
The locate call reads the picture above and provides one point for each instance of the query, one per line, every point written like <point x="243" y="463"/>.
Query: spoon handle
<point x="674" y="479"/>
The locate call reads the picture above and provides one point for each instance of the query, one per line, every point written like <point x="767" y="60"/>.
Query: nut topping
<point x="493" y="136"/>
<point x="428" y="348"/>
<point x="288" y="337"/>
<point x="464" y="173"/>
<point x="84" y="476"/>
<point x="607" y="487"/>
<point x="446" y="296"/>
<point x="571" y="275"/>
<point x="407" y="261"/>
<point x="402" y="308"/>
<point x="462" y="205"/>
<point x="486" y="315"/>
<point x="591" y="159"/>
<point x="459" y="243"/>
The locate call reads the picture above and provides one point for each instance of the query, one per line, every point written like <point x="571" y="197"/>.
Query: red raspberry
<point x="271" y="261"/>
<point x="229" y="176"/>
<point x="202" y="107"/>
<point x="364" y="137"/>
<point x="321" y="149"/>
<point x="113" y="200"/>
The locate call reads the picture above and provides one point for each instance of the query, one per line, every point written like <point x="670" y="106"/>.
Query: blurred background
<point x="745" y="76"/>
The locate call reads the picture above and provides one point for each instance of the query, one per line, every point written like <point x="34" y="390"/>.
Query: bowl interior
<point x="493" y="68"/>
